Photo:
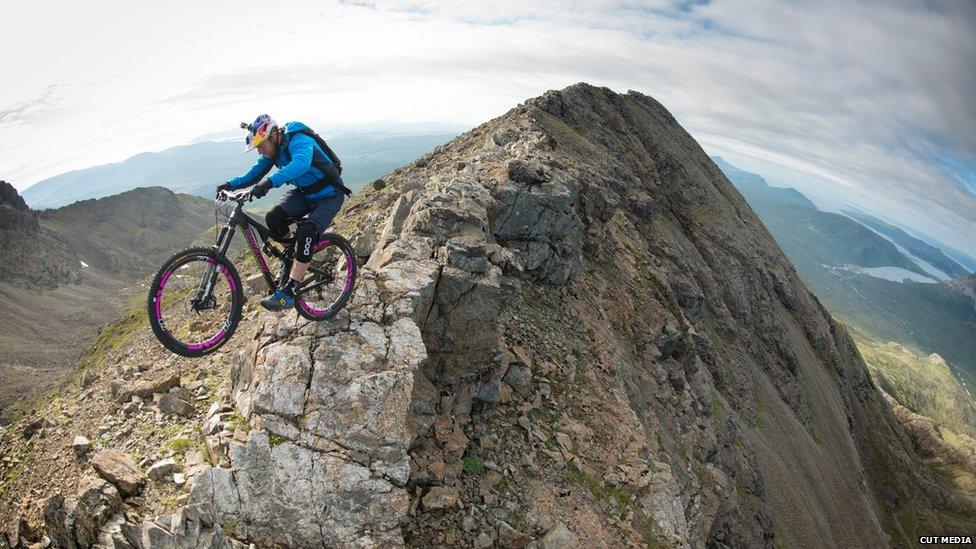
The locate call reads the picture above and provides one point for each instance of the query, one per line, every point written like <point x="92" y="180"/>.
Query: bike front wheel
<point x="185" y="318"/>
<point x="330" y="280"/>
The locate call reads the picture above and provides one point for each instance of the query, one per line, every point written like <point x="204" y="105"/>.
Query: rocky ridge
<point x="50" y="262"/>
<point x="569" y="329"/>
<point x="965" y="285"/>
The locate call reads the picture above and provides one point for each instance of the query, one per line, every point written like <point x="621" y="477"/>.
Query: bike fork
<point x="209" y="277"/>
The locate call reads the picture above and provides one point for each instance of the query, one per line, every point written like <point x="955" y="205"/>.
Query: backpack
<point x="331" y="177"/>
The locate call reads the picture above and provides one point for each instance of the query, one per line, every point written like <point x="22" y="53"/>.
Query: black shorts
<point x="320" y="212"/>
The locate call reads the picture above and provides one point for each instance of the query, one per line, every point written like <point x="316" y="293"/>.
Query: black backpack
<point x="331" y="175"/>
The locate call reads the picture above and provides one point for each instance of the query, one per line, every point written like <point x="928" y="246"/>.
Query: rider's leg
<point x="305" y="239"/>
<point x="318" y="220"/>
<point x="293" y="204"/>
<point x="277" y="221"/>
<point x="320" y="214"/>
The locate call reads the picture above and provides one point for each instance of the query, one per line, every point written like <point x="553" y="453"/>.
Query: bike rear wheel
<point x="183" y="322"/>
<point x="330" y="280"/>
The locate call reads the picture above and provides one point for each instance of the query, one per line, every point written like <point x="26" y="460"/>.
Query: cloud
<point x="870" y="103"/>
<point x="32" y="110"/>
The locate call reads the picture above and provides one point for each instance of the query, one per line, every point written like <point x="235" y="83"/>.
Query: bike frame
<point x="239" y="219"/>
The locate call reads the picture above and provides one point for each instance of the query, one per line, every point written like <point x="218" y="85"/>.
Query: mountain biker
<point x="303" y="163"/>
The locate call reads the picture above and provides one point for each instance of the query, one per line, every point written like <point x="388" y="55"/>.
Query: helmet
<point x="258" y="131"/>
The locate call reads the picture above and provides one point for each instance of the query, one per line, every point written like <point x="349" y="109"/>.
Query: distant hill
<point x="129" y="234"/>
<point x="943" y="265"/>
<point x="199" y="167"/>
<point x="863" y="278"/>
<point x="65" y="272"/>
<point x="800" y="227"/>
<point x="756" y="190"/>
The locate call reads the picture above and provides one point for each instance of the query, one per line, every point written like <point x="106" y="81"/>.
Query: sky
<point x="871" y="104"/>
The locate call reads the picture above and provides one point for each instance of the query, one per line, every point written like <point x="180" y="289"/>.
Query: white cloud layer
<point x="871" y="103"/>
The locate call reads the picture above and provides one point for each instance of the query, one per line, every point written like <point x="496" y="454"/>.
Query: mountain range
<point x="569" y="329"/>
<point x="905" y="330"/>
<point x="65" y="272"/>
<point x="199" y="167"/>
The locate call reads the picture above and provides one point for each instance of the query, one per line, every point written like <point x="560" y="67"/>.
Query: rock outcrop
<point x="570" y="329"/>
<point x="30" y="256"/>
<point x="965" y="285"/>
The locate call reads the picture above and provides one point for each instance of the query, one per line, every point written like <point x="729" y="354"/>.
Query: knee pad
<point x="305" y="239"/>
<point x="277" y="221"/>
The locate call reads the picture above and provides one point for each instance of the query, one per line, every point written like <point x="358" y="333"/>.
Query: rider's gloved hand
<point x="224" y="187"/>
<point x="261" y="188"/>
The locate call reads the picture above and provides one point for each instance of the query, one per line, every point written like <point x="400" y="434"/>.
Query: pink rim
<point x="350" y="274"/>
<point x="216" y="338"/>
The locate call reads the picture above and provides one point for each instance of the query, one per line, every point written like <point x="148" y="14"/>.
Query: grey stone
<point x="483" y="540"/>
<point x="173" y="405"/>
<point x="440" y="497"/>
<point x="145" y="389"/>
<point x="120" y="470"/>
<point x="81" y="445"/>
<point x="508" y="536"/>
<point x="520" y="379"/>
<point x="559" y="537"/>
<point x="161" y="469"/>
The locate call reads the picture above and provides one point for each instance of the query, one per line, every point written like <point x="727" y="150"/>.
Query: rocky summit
<point x="568" y="330"/>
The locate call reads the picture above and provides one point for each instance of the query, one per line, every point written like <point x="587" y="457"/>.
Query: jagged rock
<point x="264" y="482"/>
<point x="440" y="497"/>
<point x="97" y="501"/>
<point x="510" y="537"/>
<point x="467" y="254"/>
<point x="520" y="379"/>
<point x="489" y="393"/>
<point x="59" y="522"/>
<point x="18" y="533"/>
<point x="529" y="173"/>
<point x="559" y="537"/>
<point x="81" y="446"/>
<point x="174" y="405"/>
<point x="483" y="540"/>
<point x="156" y="537"/>
<point x="131" y="534"/>
<point x="119" y="469"/>
<point x="144" y="389"/>
<point x="34" y="426"/>
<point x="161" y="469"/>
<point x="75" y="522"/>
<point x="256" y="284"/>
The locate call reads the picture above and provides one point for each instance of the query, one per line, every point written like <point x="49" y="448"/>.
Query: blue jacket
<point x="296" y="159"/>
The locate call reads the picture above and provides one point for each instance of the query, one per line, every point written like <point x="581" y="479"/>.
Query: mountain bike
<point x="196" y="298"/>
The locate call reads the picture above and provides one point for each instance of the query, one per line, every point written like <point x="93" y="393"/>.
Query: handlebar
<point x="243" y="195"/>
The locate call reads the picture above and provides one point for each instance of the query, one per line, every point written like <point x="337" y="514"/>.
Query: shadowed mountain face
<point x="570" y="321"/>
<point x="29" y="255"/>
<point x="65" y="272"/>
<point x="859" y="275"/>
